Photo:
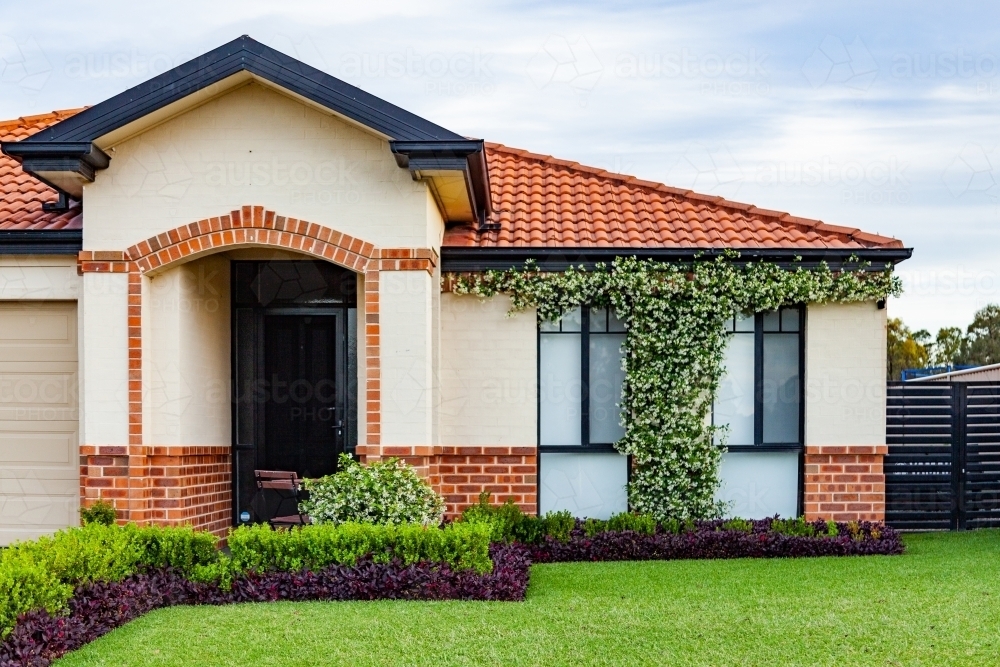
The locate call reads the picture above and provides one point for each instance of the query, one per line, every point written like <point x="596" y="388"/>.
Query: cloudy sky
<point x="881" y="116"/>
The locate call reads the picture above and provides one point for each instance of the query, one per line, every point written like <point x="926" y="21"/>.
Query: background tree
<point x="906" y="349"/>
<point x="948" y="347"/>
<point x="983" y="337"/>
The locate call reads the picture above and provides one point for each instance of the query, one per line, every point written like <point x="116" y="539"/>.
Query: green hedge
<point x="260" y="549"/>
<point x="507" y="523"/>
<point x="42" y="574"/>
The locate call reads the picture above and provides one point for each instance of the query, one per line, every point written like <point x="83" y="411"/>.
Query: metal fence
<point x="942" y="471"/>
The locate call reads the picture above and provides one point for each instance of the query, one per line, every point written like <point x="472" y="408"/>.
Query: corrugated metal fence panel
<point x="981" y="479"/>
<point x="920" y="420"/>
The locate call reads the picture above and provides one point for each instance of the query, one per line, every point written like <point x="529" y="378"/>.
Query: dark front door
<point x="303" y="420"/>
<point x="294" y="373"/>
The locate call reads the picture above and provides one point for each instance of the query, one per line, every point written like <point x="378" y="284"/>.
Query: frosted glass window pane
<point x="588" y="484"/>
<point x="781" y="388"/>
<point x="744" y="323"/>
<point x="559" y="389"/>
<point x="548" y="325"/>
<point x="771" y="321"/>
<point x="571" y="320"/>
<point x="760" y="484"/>
<point x="734" y="403"/>
<point x="606" y="377"/>
<point x="614" y="324"/>
<point x="790" y="319"/>
<point x="598" y="320"/>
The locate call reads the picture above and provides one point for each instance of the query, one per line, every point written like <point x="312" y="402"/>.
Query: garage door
<point x="39" y="452"/>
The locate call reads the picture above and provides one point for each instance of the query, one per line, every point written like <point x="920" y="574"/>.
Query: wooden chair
<point x="287" y="487"/>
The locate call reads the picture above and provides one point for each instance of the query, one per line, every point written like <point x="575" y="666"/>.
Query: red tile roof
<point x="21" y="195"/>
<point x="541" y="201"/>
<point x="538" y="201"/>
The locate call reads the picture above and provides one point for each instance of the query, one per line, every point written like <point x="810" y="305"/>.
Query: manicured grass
<point x="937" y="605"/>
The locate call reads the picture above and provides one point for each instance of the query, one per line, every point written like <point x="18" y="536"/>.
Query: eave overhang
<point x="466" y="259"/>
<point x="66" y="156"/>
<point x="64" y="165"/>
<point x="456" y="173"/>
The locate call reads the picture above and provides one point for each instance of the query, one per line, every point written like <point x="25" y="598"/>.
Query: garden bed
<point x="71" y="589"/>
<point x="95" y="609"/>
<point x="716" y="539"/>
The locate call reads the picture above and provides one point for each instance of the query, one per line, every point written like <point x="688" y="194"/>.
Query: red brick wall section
<point x="845" y="483"/>
<point x="191" y="485"/>
<point x="509" y="473"/>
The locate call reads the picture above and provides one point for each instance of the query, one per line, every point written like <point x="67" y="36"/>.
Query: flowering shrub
<point x="382" y="492"/>
<point x="674" y="351"/>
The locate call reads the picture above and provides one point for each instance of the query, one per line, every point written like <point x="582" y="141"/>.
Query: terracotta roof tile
<point x="542" y="201"/>
<point x="21" y="195"/>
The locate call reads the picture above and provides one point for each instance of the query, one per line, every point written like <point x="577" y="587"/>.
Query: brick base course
<point x="460" y="474"/>
<point x="845" y="482"/>
<point x="175" y="486"/>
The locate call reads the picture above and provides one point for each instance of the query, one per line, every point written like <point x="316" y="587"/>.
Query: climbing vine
<point x="675" y="343"/>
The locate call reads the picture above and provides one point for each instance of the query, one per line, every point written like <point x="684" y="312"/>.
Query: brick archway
<point x="146" y="466"/>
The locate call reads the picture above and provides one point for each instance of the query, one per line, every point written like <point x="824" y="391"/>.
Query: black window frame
<point x="758" y="334"/>
<point x="586" y="445"/>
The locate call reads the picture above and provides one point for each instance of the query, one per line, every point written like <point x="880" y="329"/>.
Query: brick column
<point x="845" y="482"/>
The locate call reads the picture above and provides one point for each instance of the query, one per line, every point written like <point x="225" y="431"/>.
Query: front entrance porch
<point x="161" y="436"/>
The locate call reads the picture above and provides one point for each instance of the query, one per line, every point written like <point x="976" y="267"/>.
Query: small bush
<point x="509" y="524"/>
<point x="101" y="512"/>
<point x="384" y="492"/>
<point x="739" y="525"/>
<point x="794" y="527"/>
<point x="638" y="523"/>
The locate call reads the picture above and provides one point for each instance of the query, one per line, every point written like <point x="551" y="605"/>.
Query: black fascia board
<point x="243" y="54"/>
<point x="84" y="151"/>
<point x="41" y="241"/>
<point x="461" y="259"/>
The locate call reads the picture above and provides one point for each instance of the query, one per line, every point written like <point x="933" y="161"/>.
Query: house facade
<point x="242" y="264"/>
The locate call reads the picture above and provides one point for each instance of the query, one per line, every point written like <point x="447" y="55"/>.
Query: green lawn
<point x="937" y="605"/>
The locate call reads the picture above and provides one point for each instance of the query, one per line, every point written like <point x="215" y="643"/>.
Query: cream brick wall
<point x="186" y="353"/>
<point x="407" y="340"/>
<point x="39" y="277"/>
<point x="103" y="318"/>
<point x="845" y="374"/>
<point x="488" y="373"/>
<point x="257" y="146"/>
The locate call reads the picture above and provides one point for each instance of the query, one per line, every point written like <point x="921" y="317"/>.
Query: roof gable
<point x="67" y="155"/>
<point x="246" y="54"/>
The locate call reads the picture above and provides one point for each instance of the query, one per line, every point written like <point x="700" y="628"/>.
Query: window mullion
<point x="758" y="379"/>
